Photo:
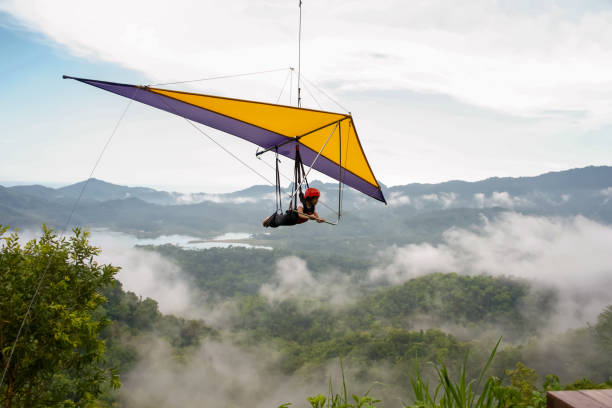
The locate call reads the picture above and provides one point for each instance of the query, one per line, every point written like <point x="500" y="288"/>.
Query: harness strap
<point x="299" y="175"/>
<point x="279" y="193"/>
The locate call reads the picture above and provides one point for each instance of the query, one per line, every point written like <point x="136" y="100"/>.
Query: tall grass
<point x="342" y="400"/>
<point x="463" y="393"/>
<point x="335" y="400"/>
<point x="484" y="391"/>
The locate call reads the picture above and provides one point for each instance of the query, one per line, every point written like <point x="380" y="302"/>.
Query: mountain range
<point x="414" y="212"/>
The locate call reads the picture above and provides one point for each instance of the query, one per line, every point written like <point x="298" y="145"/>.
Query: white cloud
<point x="444" y="200"/>
<point x="146" y="273"/>
<point x="402" y="264"/>
<point x="429" y="197"/>
<point x="607" y="192"/>
<point x="500" y="199"/>
<point x="542" y="63"/>
<point x="294" y="280"/>
<point x="572" y="255"/>
<point x="227" y="374"/>
<point x="194" y="198"/>
<point x="397" y="199"/>
<point x="434" y="79"/>
<point x="211" y="376"/>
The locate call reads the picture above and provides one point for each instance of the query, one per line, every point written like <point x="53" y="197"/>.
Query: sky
<point x="439" y="91"/>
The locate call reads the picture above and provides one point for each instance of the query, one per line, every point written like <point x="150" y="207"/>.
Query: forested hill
<point x="381" y="332"/>
<point x="581" y="179"/>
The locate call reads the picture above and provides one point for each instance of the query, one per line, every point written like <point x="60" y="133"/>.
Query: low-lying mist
<point x="293" y="279"/>
<point x="146" y="273"/>
<point x="221" y="374"/>
<point x="572" y="256"/>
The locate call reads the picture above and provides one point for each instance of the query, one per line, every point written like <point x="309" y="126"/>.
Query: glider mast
<point x="299" y="101"/>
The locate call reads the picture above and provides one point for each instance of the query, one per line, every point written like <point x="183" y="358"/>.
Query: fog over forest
<point x="263" y="317"/>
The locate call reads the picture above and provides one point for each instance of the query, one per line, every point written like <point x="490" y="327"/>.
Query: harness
<point x="299" y="178"/>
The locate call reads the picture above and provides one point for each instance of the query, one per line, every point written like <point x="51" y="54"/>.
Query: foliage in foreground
<point x="519" y="389"/>
<point x="340" y="400"/>
<point x="379" y="328"/>
<point x="58" y="358"/>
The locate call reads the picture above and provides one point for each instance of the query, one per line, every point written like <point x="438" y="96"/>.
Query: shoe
<point x="266" y="222"/>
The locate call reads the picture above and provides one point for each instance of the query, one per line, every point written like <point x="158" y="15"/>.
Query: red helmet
<point x="311" y="193"/>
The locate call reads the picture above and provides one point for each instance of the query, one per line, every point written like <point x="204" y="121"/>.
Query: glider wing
<point x="330" y="136"/>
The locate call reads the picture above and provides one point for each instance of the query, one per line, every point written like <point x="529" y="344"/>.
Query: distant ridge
<point x="101" y="190"/>
<point x="591" y="177"/>
<point x="416" y="212"/>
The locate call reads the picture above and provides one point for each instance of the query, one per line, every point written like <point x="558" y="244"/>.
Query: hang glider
<point x="327" y="141"/>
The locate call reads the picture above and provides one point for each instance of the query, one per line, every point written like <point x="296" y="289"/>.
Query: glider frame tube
<point x="296" y="138"/>
<point x="296" y="188"/>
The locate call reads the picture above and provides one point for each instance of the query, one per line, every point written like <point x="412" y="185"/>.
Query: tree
<point x="603" y="328"/>
<point x="58" y="359"/>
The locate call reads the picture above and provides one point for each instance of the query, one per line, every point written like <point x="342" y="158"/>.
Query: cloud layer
<point x="572" y="255"/>
<point x="440" y="92"/>
<point x="146" y="273"/>
<point x="491" y="54"/>
<point x="294" y="280"/>
<point x="216" y="375"/>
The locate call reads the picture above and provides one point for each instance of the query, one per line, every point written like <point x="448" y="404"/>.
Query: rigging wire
<point x="229" y="152"/>
<point x="325" y="93"/>
<point x="217" y="143"/>
<point x="251" y="168"/>
<point x="236" y="157"/>
<point x="63" y="231"/>
<point x="283" y="88"/>
<point x="220" y="77"/>
<point x="315" y="159"/>
<point x="312" y="96"/>
<point x="291" y="181"/>
<point x="272" y="167"/>
<point x="278" y="190"/>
